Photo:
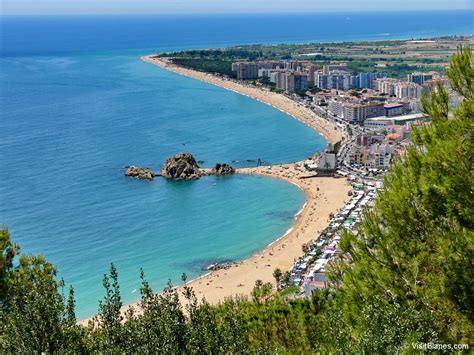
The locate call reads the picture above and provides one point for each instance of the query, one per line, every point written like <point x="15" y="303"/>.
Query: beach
<point x="278" y="101"/>
<point x="324" y="195"/>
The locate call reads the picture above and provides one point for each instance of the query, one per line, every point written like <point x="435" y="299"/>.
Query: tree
<point x="109" y="319"/>
<point x="34" y="317"/>
<point x="415" y="248"/>
<point x="8" y="251"/>
<point x="277" y="274"/>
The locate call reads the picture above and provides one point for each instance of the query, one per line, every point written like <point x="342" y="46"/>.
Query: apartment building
<point x="335" y="79"/>
<point x="403" y="90"/>
<point x="365" y="80"/>
<point x="245" y="70"/>
<point x="290" y="82"/>
<point x="419" y="78"/>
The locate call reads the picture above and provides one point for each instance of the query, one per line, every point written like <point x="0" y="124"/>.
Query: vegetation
<point x="407" y="276"/>
<point x="396" y="57"/>
<point x="223" y="67"/>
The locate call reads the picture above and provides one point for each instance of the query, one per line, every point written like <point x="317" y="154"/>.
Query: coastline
<point x="278" y="101"/>
<point x="323" y="195"/>
<point x="281" y="253"/>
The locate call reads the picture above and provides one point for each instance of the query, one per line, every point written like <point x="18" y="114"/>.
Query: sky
<point x="76" y="7"/>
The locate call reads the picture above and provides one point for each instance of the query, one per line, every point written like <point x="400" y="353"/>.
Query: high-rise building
<point x="404" y="89"/>
<point x="365" y="80"/>
<point x="310" y="70"/>
<point x="245" y="70"/>
<point x="336" y="79"/>
<point x="291" y="81"/>
<point x="419" y="78"/>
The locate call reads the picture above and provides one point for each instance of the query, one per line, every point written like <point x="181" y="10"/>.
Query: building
<point x="365" y="80"/>
<point x="394" y="109"/>
<point x="419" y="78"/>
<point x="411" y="104"/>
<point x="358" y="112"/>
<point x="385" y="85"/>
<point x="301" y="81"/>
<point x="335" y="79"/>
<point x="321" y="80"/>
<point x="379" y="124"/>
<point x="383" y="122"/>
<point x="395" y="87"/>
<point x="432" y="84"/>
<point x="335" y="107"/>
<point x="245" y="70"/>
<point x="374" y="155"/>
<point x="407" y="90"/>
<point x="270" y="74"/>
<point x="291" y="82"/>
<point x="326" y="162"/>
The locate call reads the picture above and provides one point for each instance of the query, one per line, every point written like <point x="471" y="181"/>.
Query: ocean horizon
<point x="78" y="105"/>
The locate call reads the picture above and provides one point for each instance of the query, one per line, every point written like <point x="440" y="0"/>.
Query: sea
<point x="77" y="105"/>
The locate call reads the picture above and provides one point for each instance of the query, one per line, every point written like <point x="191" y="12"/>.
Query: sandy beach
<point x="324" y="195"/>
<point x="279" y="101"/>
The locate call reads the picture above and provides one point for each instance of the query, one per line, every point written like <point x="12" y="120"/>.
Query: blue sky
<point x="42" y="7"/>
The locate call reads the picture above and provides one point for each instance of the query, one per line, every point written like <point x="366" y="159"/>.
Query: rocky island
<point x="182" y="166"/>
<point x="222" y="169"/>
<point x="140" y="173"/>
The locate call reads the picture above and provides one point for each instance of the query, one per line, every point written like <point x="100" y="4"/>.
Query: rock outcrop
<point x="222" y="169"/>
<point x="140" y="173"/>
<point x="181" y="166"/>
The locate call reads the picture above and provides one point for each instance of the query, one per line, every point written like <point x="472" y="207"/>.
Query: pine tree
<point x="415" y="248"/>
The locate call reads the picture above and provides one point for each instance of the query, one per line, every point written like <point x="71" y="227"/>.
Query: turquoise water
<point x="77" y="105"/>
<point x="70" y="125"/>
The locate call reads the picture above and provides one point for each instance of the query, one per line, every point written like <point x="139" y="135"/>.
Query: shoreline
<point x="323" y="195"/>
<point x="239" y="279"/>
<point x="277" y="101"/>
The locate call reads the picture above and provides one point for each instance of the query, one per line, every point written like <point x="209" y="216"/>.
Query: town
<point x="374" y="110"/>
<point x="376" y="114"/>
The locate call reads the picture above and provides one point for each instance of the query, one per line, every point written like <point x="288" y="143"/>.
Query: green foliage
<point x="223" y="67"/>
<point x="8" y="250"/>
<point x="406" y="277"/>
<point x="35" y="316"/>
<point x="277" y="274"/>
<point x="415" y="248"/>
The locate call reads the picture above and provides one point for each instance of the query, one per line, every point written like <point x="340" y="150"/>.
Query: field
<point x="396" y="57"/>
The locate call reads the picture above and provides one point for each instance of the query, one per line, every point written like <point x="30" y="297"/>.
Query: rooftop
<point x="413" y="116"/>
<point x="393" y="136"/>
<point x="393" y="105"/>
